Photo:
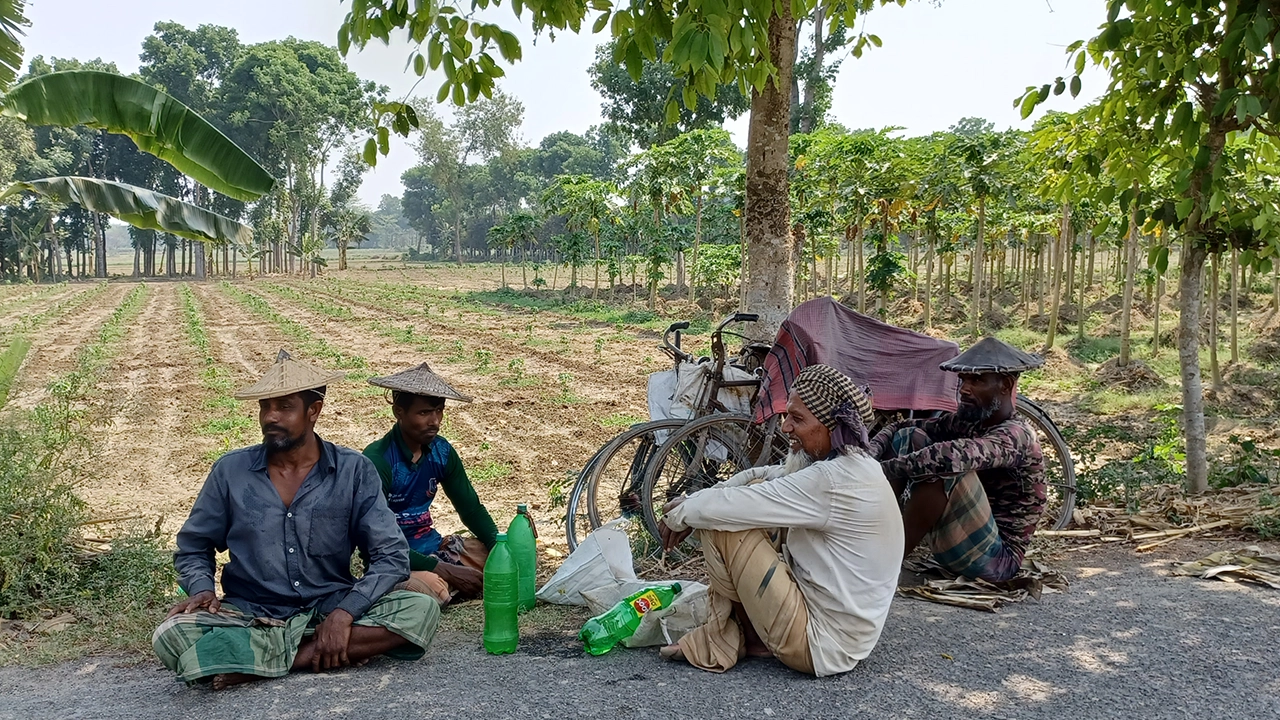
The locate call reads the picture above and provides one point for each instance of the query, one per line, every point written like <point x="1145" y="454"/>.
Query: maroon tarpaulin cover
<point x="900" y="366"/>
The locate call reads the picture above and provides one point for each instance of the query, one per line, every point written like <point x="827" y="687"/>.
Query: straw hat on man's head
<point x="419" y="380"/>
<point x="287" y="376"/>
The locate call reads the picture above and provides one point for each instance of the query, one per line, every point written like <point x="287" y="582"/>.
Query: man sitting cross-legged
<point x="972" y="482"/>
<point x="291" y="511"/>
<point x="820" y="605"/>
<point x="414" y="462"/>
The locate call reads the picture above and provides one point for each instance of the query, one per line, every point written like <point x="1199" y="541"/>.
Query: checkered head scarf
<point x="838" y="403"/>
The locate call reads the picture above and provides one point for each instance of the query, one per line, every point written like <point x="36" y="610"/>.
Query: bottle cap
<point x="502" y="537"/>
<point x="675" y="588"/>
<point x="522" y="508"/>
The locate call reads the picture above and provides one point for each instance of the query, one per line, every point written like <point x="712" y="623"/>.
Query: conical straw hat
<point x="991" y="355"/>
<point x="287" y="376"/>
<point x="419" y="380"/>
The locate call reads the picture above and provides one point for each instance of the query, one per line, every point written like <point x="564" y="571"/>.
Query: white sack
<point x="604" y="558"/>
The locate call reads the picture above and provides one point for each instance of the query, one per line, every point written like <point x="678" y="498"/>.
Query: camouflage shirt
<point x="1007" y="458"/>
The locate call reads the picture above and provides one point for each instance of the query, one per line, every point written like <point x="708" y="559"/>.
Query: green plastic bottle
<point x="602" y="632"/>
<point x="501" y="600"/>
<point x="522" y="539"/>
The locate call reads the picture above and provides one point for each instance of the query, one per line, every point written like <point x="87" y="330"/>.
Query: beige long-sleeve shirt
<point x="844" y="544"/>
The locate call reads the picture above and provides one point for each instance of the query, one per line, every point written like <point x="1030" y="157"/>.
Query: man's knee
<point x="173" y="637"/>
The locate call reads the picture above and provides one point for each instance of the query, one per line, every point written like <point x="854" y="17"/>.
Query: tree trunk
<point x="199" y="260"/>
<point x="928" y="283"/>
<point x="1189" y="297"/>
<point x="1081" y="316"/>
<point x="771" y="258"/>
<point x="1215" y="370"/>
<point x="862" y="274"/>
<point x="975" y="304"/>
<point x="1130" y="259"/>
<point x="342" y="255"/>
<point x="100" y="248"/>
<point x="1235" y="304"/>
<point x="807" y="121"/>
<point x="1155" y="320"/>
<point x="1056" y="281"/>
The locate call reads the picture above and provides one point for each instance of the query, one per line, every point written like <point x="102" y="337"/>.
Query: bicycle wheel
<point x="610" y="487"/>
<point x="573" y="520"/>
<point x="705" y="452"/>
<point x="1059" y="469"/>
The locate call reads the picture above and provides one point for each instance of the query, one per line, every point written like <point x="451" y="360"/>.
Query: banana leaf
<point x="12" y="19"/>
<point x="156" y="122"/>
<point x="137" y="206"/>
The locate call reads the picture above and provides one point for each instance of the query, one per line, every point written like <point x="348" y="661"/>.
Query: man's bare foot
<point x="226" y="680"/>
<point x="671" y="652"/>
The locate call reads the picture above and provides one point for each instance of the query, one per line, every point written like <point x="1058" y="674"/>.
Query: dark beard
<point x="977" y="413"/>
<point x="280" y="444"/>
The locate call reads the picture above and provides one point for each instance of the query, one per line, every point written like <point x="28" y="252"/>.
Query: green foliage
<point x="43" y="565"/>
<point x="706" y="46"/>
<point x="718" y="266"/>
<point x="156" y="122"/>
<point x="1246" y="462"/>
<point x="137" y="206"/>
<point x="10" y="360"/>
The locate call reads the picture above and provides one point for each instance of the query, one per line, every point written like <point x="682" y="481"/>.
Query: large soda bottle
<point x="602" y="632"/>
<point x="501" y="600"/>
<point x="522" y="539"/>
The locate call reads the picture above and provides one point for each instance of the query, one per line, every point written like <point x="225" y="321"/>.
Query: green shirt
<point x="449" y="473"/>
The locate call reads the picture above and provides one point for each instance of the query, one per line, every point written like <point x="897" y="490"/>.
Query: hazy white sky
<point x="938" y="64"/>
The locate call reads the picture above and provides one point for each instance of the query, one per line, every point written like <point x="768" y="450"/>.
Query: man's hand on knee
<point x="204" y="600"/>
<point x="332" y="637"/>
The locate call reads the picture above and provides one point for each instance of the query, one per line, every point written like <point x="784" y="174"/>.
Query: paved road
<point x="1127" y="643"/>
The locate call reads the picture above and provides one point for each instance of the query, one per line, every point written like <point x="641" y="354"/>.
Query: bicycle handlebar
<point x="674" y="349"/>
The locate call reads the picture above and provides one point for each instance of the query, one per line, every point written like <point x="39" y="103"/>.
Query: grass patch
<point x="110" y="594"/>
<point x="620" y="420"/>
<point x="490" y="471"/>
<point x="229" y="420"/>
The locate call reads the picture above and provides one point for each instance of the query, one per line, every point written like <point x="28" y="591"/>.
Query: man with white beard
<point x="803" y="558"/>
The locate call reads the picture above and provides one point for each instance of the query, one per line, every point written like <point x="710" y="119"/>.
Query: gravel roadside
<point x="1126" y="641"/>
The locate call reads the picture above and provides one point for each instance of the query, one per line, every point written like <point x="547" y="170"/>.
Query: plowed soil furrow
<point x="54" y="347"/>
<point x="151" y="458"/>
<point x="526" y="429"/>
<point x="14" y="310"/>
<point x="246" y="345"/>
<point x="508" y="335"/>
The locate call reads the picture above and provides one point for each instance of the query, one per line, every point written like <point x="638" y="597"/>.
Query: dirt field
<point x="547" y="393"/>
<point x="550" y="386"/>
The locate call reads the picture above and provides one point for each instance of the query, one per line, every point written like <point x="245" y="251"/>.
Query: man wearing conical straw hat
<point x="971" y="483"/>
<point x="291" y="511"/>
<point x="415" y="462"/>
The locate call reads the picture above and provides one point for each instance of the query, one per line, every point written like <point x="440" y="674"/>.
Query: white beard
<point x="796" y="461"/>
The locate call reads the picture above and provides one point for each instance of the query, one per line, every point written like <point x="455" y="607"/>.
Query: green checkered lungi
<point x="200" y="644"/>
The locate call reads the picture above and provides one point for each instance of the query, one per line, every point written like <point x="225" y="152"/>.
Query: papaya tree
<point x="1199" y="75"/>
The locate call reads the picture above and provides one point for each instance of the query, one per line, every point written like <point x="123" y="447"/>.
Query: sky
<point x="939" y="62"/>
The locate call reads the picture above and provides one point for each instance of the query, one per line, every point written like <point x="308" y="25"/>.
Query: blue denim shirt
<point x="288" y="559"/>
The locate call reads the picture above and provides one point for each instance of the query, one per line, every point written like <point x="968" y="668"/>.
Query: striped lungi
<point x="965" y="539"/>
<point x="201" y="644"/>
<point x="744" y="567"/>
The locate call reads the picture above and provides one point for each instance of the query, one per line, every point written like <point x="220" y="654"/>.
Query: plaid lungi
<point x="201" y="644"/>
<point x="965" y="539"/>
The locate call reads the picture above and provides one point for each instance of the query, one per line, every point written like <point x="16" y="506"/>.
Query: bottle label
<point x="646" y="602"/>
